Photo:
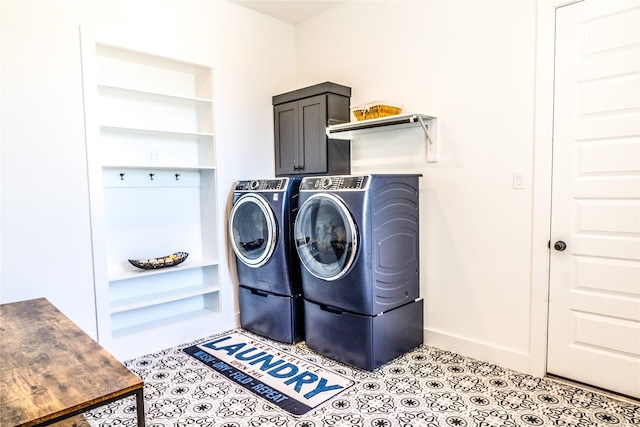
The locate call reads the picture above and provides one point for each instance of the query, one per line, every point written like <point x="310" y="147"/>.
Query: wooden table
<point x="51" y="370"/>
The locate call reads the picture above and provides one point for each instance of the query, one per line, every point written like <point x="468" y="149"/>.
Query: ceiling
<point x="293" y="12"/>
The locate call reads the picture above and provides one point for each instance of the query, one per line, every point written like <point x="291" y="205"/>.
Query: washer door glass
<point x="253" y="230"/>
<point x="326" y="236"/>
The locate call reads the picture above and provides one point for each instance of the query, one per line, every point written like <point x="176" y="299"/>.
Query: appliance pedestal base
<point x="273" y="316"/>
<point x="366" y="342"/>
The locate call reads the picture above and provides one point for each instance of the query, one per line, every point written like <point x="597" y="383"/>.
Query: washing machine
<point x="261" y="234"/>
<point x="357" y="239"/>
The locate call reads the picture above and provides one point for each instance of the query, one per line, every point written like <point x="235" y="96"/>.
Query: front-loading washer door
<point x="326" y="236"/>
<point x="253" y="230"/>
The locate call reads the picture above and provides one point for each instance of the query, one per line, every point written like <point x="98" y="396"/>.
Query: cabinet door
<point x="286" y="138"/>
<point x="312" y="138"/>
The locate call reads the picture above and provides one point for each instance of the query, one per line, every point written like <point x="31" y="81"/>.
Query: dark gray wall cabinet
<point x="300" y="121"/>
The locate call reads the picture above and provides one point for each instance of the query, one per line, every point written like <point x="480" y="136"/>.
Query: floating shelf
<point x="402" y="121"/>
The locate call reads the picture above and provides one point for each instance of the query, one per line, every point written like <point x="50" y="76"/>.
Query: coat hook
<point x="177" y="176"/>
<point x="151" y="175"/>
<point x="121" y="177"/>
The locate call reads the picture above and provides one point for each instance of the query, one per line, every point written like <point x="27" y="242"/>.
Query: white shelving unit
<point x="152" y="176"/>
<point x="354" y="130"/>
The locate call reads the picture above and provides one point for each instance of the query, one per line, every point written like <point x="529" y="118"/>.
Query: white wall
<point x="46" y="240"/>
<point x="471" y="64"/>
<point x="468" y="62"/>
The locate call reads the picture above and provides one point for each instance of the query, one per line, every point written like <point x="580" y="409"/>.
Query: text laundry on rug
<point x="281" y="378"/>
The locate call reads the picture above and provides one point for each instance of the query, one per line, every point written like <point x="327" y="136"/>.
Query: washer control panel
<point x="342" y="182"/>
<point x="262" y="185"/>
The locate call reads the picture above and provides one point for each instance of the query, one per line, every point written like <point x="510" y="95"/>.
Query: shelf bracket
<point x="432" y="149"/>
<point x="425" y="129"/>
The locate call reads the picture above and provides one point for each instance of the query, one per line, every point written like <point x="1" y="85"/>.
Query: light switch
<point x="518" y="180"/>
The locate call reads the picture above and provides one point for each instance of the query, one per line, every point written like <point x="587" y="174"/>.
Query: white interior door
<point x="594" y="299"/>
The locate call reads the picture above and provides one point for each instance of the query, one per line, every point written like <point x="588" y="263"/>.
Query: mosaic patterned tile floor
<point x="426" y="387"/>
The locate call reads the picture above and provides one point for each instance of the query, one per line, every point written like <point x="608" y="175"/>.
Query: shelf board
<point x="150" y="61"/>
<point x="131" y="92"/>
<point x="134" y="273"/>
<point x="350" y="131"/>
<point x="116" y="128"/>
<point x="159" y="167"/>
<point x="161" y="298"/>
<point x="174" y="321"/>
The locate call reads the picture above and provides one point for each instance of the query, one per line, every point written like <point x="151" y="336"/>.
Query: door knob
<point x="560" y="246"/>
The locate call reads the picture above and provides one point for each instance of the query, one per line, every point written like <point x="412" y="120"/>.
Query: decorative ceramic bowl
<point x="161" y="262"/>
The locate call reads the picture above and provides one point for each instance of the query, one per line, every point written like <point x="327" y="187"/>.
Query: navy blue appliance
<point x="357" y="238"/>
<point x="261" y="234"/>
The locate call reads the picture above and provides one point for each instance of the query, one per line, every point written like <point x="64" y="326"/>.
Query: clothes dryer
<point x="357" y="238"/>
<point x="261" y="234"/>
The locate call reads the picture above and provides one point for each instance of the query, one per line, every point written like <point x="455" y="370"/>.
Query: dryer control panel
<point x="341" y="182"/>
<point x="262" y="185"/>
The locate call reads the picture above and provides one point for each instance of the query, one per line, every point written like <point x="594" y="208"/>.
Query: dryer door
<point x="252" y="227"/>
<point x="326" y="236"/>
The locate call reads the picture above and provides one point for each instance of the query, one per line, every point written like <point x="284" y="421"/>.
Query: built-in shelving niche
<point x="152" y="169"/>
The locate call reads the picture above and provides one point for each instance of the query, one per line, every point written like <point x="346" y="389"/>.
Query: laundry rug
<point x="282" y="379"/>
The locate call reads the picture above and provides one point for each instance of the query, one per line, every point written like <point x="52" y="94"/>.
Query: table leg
<point x="140" y="407"/>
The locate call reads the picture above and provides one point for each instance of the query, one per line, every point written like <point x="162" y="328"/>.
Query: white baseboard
<point x="503" y="357"/>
